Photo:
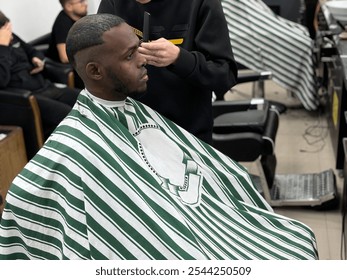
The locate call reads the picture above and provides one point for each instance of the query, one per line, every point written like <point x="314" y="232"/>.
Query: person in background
<point x="21" y="66"/>
<point x="189" y="56"/>
<point x="72" y="11"/>
<point x="116" y="180"/>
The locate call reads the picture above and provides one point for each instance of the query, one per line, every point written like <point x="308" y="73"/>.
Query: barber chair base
<point x="317" y="190"/>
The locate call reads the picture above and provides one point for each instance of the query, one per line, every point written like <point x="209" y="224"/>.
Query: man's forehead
<point x="121" y="35"/>
<point x="118" y="31"/>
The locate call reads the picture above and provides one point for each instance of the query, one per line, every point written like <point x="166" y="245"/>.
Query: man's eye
<point x="130" y="56"/>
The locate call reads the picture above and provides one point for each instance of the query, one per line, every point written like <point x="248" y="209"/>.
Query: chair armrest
<point x="58" y="72"/>
<point x="222" y="107"/>
<point x="41" y="43"/>
<point x="18" y="107"/>
<point x="14" y="93"/>
<point x="253" y="76"/>
<point x="54" y="71"/>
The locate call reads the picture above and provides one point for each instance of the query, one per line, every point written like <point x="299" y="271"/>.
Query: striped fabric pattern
<point x="262" y="41"/>
<point x="125" y="183"/>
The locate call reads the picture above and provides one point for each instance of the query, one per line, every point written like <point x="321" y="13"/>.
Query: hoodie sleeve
<point x="30" y="50"/>
<point x="5" y="66"/>
<point x="211" y="64"/>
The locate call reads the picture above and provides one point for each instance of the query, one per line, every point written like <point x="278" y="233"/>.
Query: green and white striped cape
<point x="125" y="183"/>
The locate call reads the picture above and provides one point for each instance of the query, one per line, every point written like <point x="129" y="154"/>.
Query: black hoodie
<point x="183" y="92"/>
<point x="15" y="66"/>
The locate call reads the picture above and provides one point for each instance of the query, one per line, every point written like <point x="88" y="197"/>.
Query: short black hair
<point x="3" y="19"/>
<point x="87" y="32"/>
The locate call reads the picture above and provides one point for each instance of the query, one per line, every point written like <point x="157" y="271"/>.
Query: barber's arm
<point x="211" y="63"/>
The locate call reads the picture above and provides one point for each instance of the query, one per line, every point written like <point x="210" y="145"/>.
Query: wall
<point x="33" y="18"/>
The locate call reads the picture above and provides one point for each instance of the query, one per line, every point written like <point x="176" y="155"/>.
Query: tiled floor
<point x="303" y="145"/>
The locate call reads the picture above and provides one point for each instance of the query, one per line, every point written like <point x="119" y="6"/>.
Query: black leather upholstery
<point x="58" y="72"/>
<point x="246" y="131"/>
<point x="16" y="110"/>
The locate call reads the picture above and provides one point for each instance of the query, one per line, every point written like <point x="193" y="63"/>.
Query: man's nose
<point x="142" y="60"/>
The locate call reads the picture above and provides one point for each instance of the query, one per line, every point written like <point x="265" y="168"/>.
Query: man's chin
<point x="137" y="94"/>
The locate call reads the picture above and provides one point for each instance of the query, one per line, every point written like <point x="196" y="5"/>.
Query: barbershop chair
<point x="246" y="132"/>
<point x="59" y="73"/>
<point x="56" y="72"/>
<point x="41" y="43"/>
<point x="257" y="78"/>
<point x="19" y="108"/>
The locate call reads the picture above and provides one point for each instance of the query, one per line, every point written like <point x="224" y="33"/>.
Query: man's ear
<point x="93" y="71"/>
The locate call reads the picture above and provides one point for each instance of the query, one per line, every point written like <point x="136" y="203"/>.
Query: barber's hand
<point x="160" y="53"/>
<point x="38" y="65"/>
<point x="6" y="34"/>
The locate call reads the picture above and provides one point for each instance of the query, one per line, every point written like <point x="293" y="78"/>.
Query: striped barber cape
<point x="262" y="41"/>
<point x="122" y="182"/>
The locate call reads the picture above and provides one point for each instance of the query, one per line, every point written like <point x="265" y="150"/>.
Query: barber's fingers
<point x="158" y="60"/>
<point x="160" y="52"/>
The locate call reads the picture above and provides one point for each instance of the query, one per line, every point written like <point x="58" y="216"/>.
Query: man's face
<point x="79" y="7"/>
<point x="124" y="66"/>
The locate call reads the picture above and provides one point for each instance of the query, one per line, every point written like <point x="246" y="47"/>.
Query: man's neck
<point x="104" y="102"/>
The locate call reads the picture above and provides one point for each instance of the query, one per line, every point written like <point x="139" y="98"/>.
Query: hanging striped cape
<point x="262" y="40"/>
<point x="125" y="183"/>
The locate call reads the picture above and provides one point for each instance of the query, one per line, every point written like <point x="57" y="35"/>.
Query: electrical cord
<point x="315" y="135"/>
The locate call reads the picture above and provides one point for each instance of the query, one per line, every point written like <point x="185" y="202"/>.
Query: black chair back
<point x="19" y="108"/>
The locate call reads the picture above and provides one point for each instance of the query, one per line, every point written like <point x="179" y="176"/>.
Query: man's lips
<point x="144" y="77"/>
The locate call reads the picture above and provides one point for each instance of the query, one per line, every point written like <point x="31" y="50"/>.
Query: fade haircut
<point x="87" y="32"/>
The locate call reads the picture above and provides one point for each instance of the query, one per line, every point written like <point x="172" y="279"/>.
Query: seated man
<point x="116" y="180"/>
<point x="21" y="66"/>
<point x="72" y="11"/>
